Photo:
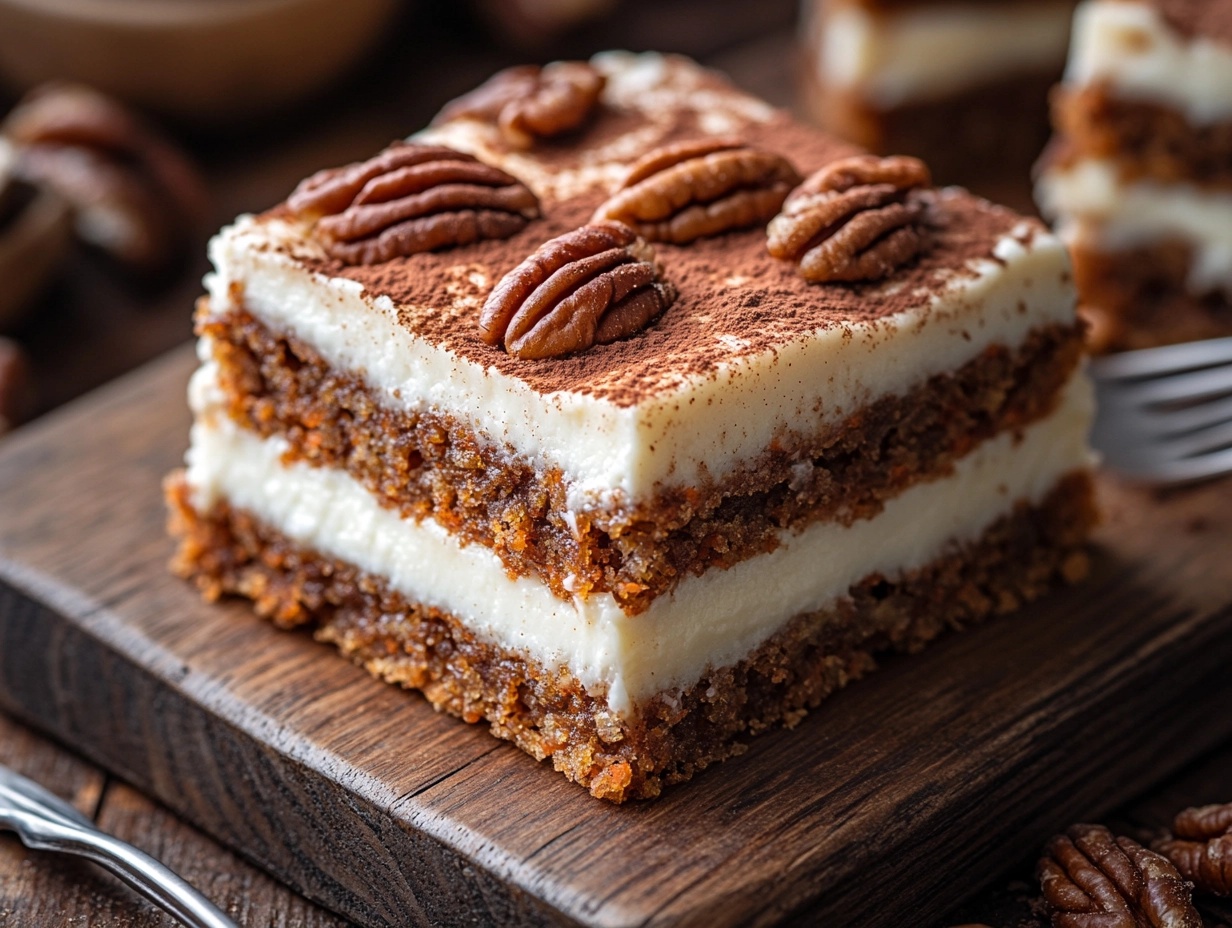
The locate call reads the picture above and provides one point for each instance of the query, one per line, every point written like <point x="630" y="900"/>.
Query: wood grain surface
<point x="363" y="798"/>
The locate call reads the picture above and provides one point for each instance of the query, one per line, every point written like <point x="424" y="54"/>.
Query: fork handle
<point x="136" y="868"/>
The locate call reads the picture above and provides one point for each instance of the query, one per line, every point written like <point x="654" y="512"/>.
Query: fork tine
<point x="1175" y="388"/>
<point x="1154" y="422"/>
<point x="1204" y="441"/>
<point x="1171" y="471"/>
<point x="1149" y="362"/>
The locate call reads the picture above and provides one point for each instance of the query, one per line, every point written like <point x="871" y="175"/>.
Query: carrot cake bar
<point x="1139" y="177"/>
<point x="961" y="83"/>
<point x="625" y="414"/>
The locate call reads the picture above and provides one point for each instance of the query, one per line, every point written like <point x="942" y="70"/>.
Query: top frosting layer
<point x="748" y="354"/>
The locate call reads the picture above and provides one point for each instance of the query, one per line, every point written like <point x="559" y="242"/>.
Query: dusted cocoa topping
<point x="428" y="466"/>
<point x="735" y="299"/>
<point x="135" y="194"/>
<point x="852" y="220"/>
<point x="530" y="102"/>
<point x="711" y="321"/>
<point x="591" y="286"/>
<point x="1211" y="19"/>
<point x="547" y="713"/>
<point x="410" y="199"/>
<point x="695" y="189"/>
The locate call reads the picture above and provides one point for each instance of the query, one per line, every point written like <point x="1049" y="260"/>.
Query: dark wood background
<point x="96" y="324"/>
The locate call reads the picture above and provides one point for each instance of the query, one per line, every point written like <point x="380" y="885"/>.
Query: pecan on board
<point x="591" y="286"/>
<point x="530" y="102"/>
<point x="689" y="190"/>
<point x="133" y="193"/>
<point x="1201" y="847"/>
<point x="854" y="219"/>
<point x="1093" y="879"/>
<point x="409" y="199"/>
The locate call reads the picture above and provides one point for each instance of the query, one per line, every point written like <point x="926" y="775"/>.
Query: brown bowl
<point x="200" y="60"/>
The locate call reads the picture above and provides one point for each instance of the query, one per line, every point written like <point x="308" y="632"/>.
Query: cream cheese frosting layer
<point x="701" y="426"/>
<point x="1100" y="209"/>
<point x="915" y="54"/>
<point x="1129" y="47"/>
<point x="713" y="620"/>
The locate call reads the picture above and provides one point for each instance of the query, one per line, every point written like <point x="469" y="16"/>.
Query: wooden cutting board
<point x="884" y="807"/>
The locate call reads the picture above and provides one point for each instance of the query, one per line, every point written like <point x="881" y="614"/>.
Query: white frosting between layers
<point x="704" y="426"/>
<point x="1099" y="209"/>
<point x="923" y="54"/>
<point x="713" y="620"/>
<point x="1130" y="48"/>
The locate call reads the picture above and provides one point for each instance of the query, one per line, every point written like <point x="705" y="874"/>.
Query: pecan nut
<point x="1093" y="879"/>
<point x="409" y="199"/>
<point x="530" y="102"/>
<point x="852" y="220"/>
<point x="1201" y="847"/>
<point x="689" y="190"/>
<point x="594" y="285"/>
<point x="16" y="385"/>
<point x="135" y="195"/>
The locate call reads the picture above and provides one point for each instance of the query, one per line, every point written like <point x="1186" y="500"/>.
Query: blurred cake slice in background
<point x="962" y="84"/>
<point x="1139" y="176"/>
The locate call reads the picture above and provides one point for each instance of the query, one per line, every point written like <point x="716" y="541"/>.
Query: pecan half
<point x="1093" y="879"/>
<point x="412" y="198"/>
<point x="134" y="194"/>
<point x="1202" y="847"/>
<point x="688" y="190"/>
<point x="852" y="220"/>
<point x="530" y="102"/>
<point x="591" y="286"/>
<point x="16" y="386"/>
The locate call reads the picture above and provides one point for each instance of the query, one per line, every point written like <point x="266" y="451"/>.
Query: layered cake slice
<point x="526" y="415"/>
<point x="1139" y="177"/>
<point x="961" y="83"/>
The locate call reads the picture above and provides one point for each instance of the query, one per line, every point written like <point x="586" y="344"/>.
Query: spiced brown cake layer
<point x="1146" y="139"/>
<point x="546" y="712"/>
<point x="986" y="133"/>
<point x="1138" y="298"/>
<point x="427" y="465"/>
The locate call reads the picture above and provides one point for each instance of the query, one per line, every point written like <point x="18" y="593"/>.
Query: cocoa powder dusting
<point x="734" y="299"/>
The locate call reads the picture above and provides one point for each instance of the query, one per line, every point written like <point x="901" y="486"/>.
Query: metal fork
<point x="1165" y="414"/>
<point x="45" y="822"/>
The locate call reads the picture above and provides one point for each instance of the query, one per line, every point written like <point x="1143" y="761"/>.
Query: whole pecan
<point x="530" y="102"/>
<point x="593" y="285"/>
<point x="133" y="193"/>
<point x="412" y="198"/>
<point x="688" y="190"/>
<point x="852" y="220"/>
<point x="1093" y="879"/>
<point x="1202" y="847"/>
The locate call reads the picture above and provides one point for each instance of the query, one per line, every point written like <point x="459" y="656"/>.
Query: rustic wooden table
<point x="95" y="325"/>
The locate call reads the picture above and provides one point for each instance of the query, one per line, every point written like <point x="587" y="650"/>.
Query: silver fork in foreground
<point x="1165" y="414"/>
<point x="45" y="822"/>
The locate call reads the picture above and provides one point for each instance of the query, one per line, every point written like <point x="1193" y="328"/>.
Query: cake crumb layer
<point x="432" y="466"/>
<point x="673" y="736"/>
